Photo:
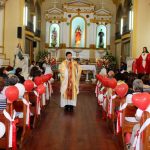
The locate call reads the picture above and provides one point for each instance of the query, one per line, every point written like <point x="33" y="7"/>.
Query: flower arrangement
<point x="41" y="55"/>
<point x="108" y="61"/>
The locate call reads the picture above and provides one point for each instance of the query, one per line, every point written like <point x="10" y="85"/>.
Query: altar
<point x="89" y="68"/>
<point x="78" y="28"/>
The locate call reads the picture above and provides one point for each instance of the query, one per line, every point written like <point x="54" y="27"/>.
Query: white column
<point x="94" y="33"/>
<point x="61" y="32"/>
<point x="108" y="26"/>
<point x="47" y="34"/>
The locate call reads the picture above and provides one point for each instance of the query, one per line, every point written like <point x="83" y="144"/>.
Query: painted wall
<point x="1" y="29"/>
<point x="13" y="19"/>
<point x="141" y="31"/>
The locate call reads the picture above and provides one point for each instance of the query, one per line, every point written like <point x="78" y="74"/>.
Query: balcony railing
<point x="37" y="33"/>
<point x="126" y="29"/>
<point x="29" y="27"/>
<point x="118" y="35"/>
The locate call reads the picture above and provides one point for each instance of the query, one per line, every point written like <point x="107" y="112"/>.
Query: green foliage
<point x="111" y="61"/>
<point x="41" y="55"/>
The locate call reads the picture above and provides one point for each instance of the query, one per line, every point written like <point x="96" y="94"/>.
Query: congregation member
<point x="46" y="66"/>
<point x="18" y="74"/>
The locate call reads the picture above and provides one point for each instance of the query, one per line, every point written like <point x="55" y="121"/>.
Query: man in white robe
<point x="70" y="73"/>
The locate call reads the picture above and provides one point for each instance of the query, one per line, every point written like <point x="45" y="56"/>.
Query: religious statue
<point x="142" y="63"/>
<point x="54" y="38"/>
<point x="21" y="60"/>
<point x="101" y="40"/>
<point x="78" y="34"/>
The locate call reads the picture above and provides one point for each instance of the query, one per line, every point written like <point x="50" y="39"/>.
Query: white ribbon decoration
<point x="43" y="99"/>
<point x="102" y="88"/>
<point x="38" y="108"/>
<point x="47" y="92"/>
<point x="104" y="100"/>
<point x="50" y="88"/>
<point x="28" y="110"/>
<point x="97" y="88"/>
<point x="136" y="143"/>
<point x="7" y="115"/>
<point x="111" y="99"/>
<point x="122" y="107"/>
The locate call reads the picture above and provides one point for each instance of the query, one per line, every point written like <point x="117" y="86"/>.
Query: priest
<point x="70" y="73"/>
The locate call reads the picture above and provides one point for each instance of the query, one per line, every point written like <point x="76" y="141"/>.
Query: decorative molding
<point x="125" y="36"/>
<point x="100" y="21"/>
<point x="2" y="3"/>
<point x="78" y="6"/>
<point x="29" y="33"/>
<point x="55" y="14"/>
<point x="102" y="15"/>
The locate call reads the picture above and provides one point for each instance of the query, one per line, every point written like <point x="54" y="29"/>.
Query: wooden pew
<point x="127" y="127"/>
<point x="4" y="140"/>
<point x="146" y="133"/>
<point x="33" y="101"/>
<point x="20" y="107"/>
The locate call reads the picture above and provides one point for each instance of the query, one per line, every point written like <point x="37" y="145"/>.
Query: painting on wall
<point x="54" y="35"/>
<point x="78" y="32"/>
<point x="101" y="36"/>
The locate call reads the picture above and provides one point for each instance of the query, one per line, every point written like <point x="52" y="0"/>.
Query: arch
<point x="54" y="35"/>
<point x="75" y="40"/>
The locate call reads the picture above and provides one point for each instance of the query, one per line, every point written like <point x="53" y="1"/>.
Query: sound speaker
<point x="34" y="44"/>
<point x="19" y="32"/>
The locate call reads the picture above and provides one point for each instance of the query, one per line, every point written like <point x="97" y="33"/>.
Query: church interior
<point x="74" y="74"/>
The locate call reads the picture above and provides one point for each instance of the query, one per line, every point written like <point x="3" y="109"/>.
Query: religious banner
<point x="78" y="32"/>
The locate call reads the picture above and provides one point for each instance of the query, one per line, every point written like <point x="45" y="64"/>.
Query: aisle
<point x="81" y="130"/>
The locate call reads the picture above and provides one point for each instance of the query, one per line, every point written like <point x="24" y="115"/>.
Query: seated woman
<point x="137" y="87"/>
<point x="13" y="80"/>
<point x="18" y="74"/>
<point x="35" y="71"/>
<point x="2" y="96"/>
<point x="47" y="66"/>
<point x="4" y="74"/>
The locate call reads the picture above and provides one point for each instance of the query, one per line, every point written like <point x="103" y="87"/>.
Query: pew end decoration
<point x="121" y="90"/>
<point x="38" y="80"/>
<point x="141" y="100"/>
<point x="21" y="89"/>
<point x="12" y="93"/>
<point x="29" y="85"/>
